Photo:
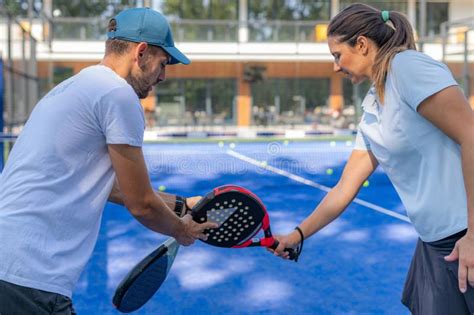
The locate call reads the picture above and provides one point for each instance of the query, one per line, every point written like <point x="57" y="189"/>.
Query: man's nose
<point x="160" y="78"/>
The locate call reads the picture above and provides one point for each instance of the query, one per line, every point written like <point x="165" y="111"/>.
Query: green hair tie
<point x="385" y="16"/>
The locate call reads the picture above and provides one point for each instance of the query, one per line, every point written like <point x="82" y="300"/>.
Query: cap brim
<point x="176" y="56"/>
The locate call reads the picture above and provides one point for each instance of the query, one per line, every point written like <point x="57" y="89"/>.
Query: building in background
<point x="254" y="62"/>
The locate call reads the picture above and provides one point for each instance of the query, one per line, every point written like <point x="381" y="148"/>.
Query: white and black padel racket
<point x="141" y="283"/>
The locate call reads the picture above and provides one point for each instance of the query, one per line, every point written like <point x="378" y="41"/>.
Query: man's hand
<point x="193" y="230"/>
<point x="464" y="251"/>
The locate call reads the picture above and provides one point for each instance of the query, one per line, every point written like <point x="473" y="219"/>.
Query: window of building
<point x="288" y="100"/>
<point x="196" y="102"/>
<point x="61" y="73"/>
<point x="353" y="96"/>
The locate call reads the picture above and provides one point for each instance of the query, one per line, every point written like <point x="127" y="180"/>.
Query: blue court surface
<point x="356" y="265"/>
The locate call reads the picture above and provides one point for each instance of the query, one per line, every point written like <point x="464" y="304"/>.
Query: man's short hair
<point x="116" y="46"/>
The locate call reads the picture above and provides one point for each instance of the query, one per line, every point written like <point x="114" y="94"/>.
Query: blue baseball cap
<point x="149" y="26"/>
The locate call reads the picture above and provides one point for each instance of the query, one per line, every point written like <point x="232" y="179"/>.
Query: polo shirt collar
<point x="370" y="103"/>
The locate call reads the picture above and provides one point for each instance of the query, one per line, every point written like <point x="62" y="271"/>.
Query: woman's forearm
<point x="332" y="205"/>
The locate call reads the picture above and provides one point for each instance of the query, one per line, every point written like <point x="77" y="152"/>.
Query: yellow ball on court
<point x="162" y="188"/>
<point x="264" y="163"/>
<point x="329" y="171"/>
<point x="232" y="145"/>
<point x="220" y="144"/>
<point x="286" y="142"/>
<point x="366" y="183"/>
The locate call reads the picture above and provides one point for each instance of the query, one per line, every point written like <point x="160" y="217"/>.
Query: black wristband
<point x="299" y="249"/>
<point x="186" y="207"/>
<point x="301" y="233"/>
<point x="179" y="205"/>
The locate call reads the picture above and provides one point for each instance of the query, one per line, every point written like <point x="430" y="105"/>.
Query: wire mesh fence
<point x="21" y="83"/>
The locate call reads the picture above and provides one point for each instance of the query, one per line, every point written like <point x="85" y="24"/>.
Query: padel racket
<point x="240" y="215"/>
<point x="145" y="278"/>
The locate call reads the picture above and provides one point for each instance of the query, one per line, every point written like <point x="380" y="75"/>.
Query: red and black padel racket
<point x="241" y="215"/>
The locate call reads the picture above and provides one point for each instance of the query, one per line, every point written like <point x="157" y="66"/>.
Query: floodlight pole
<point x="48" y="12"/>
<point x="243" y="21"/>
<point x="2" y="148"/>
<point x="33" y="86"/>
<point x="10" y="82"/>
<point x="466" y="79"/>
<point x="334" y="8"/>
<point x="412" y="13"/>
<point x="422" y="33"/>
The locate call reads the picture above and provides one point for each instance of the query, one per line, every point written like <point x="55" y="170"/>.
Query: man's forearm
<point x="157" y="216"/>
<point x="117" y="197"/>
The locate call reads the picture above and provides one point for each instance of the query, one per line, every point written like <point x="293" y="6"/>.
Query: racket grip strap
<point x="292" y="254"/>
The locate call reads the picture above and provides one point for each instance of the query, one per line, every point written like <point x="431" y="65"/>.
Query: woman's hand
<point x="291" y="240"/>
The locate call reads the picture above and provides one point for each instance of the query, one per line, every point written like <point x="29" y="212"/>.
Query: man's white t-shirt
<point x="59" y="175"/>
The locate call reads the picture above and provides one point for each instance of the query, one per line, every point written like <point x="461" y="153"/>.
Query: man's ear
<point x="140" y="50"/>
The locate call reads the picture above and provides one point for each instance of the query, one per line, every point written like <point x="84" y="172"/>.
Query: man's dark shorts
<point x="18" y="300"/>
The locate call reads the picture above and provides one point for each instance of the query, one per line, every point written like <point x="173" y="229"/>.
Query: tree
<point x="289" y="9"/>
<point x="91" y="8"/>
<point x="204" y="9"/>
<point x="15" y="7"/>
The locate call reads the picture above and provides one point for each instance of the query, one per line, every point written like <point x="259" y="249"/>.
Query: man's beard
<point x="139" y="85"/>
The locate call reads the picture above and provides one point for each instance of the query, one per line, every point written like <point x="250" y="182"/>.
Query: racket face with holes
<point x="145" y="278"/>
<point x="239" y="213"/>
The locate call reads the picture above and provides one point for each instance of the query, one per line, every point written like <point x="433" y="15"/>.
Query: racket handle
<point x="291" y="252"/>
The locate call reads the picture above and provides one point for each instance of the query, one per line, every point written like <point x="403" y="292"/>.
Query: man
<point x="81" y="147"/>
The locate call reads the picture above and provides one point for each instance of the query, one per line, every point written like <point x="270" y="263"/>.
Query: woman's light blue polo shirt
<point x="422" y="162"/>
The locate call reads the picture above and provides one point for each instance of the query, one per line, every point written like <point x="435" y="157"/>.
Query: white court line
<point x="316" y="185"/>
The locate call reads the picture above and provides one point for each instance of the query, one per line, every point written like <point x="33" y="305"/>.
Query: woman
<point x="418" y="126"/>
